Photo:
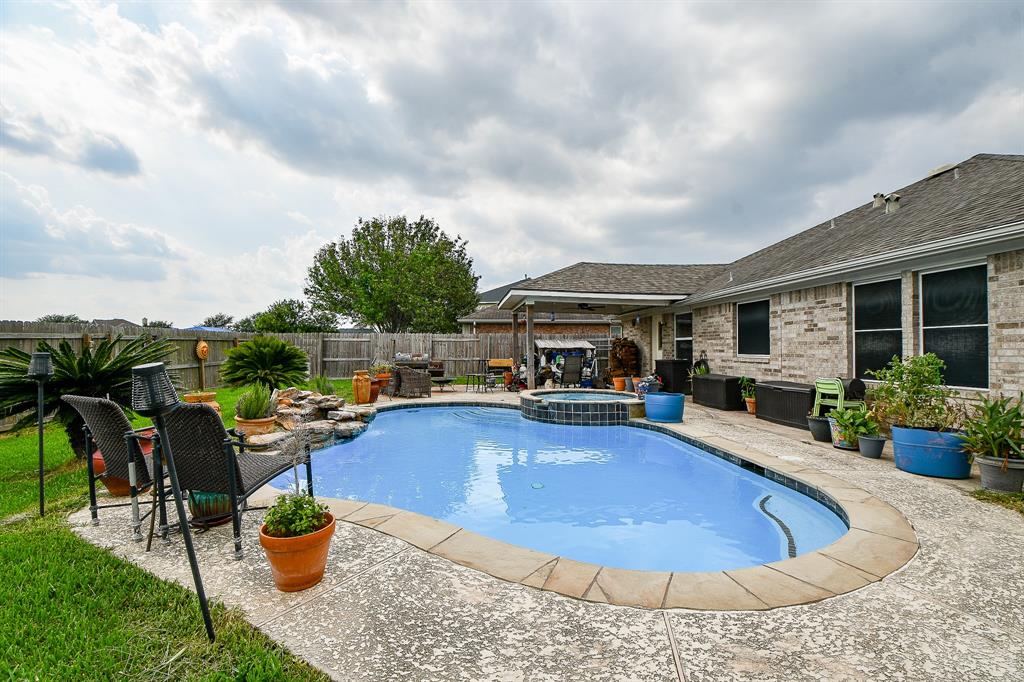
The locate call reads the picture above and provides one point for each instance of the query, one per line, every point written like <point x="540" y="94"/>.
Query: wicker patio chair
<point x="413" y="383"/>
<point x="108" y="430"/>
<point x="205" y="457"/>
<point x="572" y="371"/>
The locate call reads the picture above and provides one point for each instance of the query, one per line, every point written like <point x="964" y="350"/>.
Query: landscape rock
<point x="285" y="393"/>
<point x="363" y="412"/>
<point x="349" y="430"/>
<point x="289" y="418"/>
<point x="341" y="415"/>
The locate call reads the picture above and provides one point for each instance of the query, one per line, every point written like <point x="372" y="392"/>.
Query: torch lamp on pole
<point x="40" y="369"/>
<point x="153" y="395"/>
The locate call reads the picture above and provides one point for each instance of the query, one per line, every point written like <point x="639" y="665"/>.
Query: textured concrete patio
<point x="388" y="610"/>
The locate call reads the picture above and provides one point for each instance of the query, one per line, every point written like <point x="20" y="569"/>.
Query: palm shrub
<point x="265" y="360"/>
<point x="254" y="403"/>
<point x="100" y="372"/>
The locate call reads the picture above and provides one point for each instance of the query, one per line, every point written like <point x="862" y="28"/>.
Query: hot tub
<point x="580" y="407"/>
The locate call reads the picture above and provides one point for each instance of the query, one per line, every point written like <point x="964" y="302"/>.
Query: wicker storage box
<point x="675" y="374"/>
<point x="785" y="402"/>
<point x="721" y="391"/>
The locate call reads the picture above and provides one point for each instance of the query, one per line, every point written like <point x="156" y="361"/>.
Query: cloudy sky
<point x="173" y="160"/>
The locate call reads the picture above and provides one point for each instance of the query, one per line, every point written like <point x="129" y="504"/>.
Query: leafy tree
<point x="69" y="318"/>
<point x="291" y="315"/>
<point x="161" y="324"/>
<point x="246" y="324"/>
<point x="218" y="320"/>
<point x="96" y="372"/>
<point x="265" y="360"/>
<point x="396" y="276"/>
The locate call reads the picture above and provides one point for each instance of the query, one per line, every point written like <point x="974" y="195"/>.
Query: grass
<point x="69" y="610"/>
<point x="1014" y="501"/>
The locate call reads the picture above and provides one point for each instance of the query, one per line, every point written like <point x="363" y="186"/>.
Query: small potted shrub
<point x="296" y="535"/>
<point x="912" y="399"/>
<point x="382" y="371"/>
<point x="994" y="435"/>
<point x="870" y="441"/>
<point x="748" y="387"/>
<point x="253" y="411"/>
<point x="842" y="425"/>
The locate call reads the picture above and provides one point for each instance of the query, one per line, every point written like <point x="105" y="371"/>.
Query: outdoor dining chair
<point x="413" y="383"/>
<point x="572" y="371"/>
<point x="108" y="430"/>
<point x="206" y="460"/>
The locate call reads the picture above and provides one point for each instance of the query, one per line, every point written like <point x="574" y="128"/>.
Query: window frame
<point x="920" y="315"/>
<point x="896" y="277"/>
<point x="677" y="339"/>
<point x="736" y="320"/>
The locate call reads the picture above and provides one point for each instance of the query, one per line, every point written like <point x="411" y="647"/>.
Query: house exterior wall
<point x="1006" y="322"/>
<point x="812" y="330"/>
<point x="640" y="334"/>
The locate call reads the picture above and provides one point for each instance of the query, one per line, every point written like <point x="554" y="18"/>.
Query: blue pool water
<point x="572" y="395"/>
<point x="612" y="495"/>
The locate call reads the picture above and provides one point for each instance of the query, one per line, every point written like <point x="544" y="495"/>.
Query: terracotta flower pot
<point x="751" y="405"/>
<point x="255" y="427"/>
<point x="298" y="563"/>
<point x="119" y="487"/>
<point x="375" y="386"/>
<point x="384" y="376"/>
<point x="619" y="383"/>
<point x="205" y="397"/>
<point x="361" y="386"/>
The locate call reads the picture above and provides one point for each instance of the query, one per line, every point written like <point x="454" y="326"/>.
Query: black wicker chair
<point x="205" y="458"/>
<point x="108" y="429"/>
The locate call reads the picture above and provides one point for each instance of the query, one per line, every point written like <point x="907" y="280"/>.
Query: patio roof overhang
<point x="601" y="303"/>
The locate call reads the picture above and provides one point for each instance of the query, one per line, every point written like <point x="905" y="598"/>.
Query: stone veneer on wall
<point x="1006" y="322"/>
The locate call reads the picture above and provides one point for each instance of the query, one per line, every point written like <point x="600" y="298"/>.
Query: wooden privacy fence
<point x="335" y="354"/>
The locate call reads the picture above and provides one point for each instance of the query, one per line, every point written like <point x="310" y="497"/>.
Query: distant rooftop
<point x="495" y="295"/>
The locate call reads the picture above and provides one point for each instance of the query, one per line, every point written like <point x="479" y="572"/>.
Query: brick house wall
<point x="641" y="336"/>
<point x="812" y="330"/>
<point x="1006" y="322"/>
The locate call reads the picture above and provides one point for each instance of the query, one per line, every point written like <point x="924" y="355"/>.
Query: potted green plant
<point x="296" y="536"/>
<point x="382" y="370"/>
<point x="820" y="429"/>
<point x="840" y="422"/>
<point x="994" y="435"/>
<point x="923" y="414"/>
<point x="870" y="440"/>
<point x="857" y="429"/>
<point x="253" y="412"/>
<point x="748" y="387"/>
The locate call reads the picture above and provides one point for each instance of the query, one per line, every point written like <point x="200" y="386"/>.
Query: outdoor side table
<point x="442" y="382"/>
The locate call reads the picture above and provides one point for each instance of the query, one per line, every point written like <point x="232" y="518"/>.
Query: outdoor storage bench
<point x="721" y="391"/>
<point x="784" y="402"/>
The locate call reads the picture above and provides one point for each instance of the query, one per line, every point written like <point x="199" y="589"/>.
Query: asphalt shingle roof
<point x="495" y="295"/>
<point x="986" y="190"/>
<point x="618" y="278"/>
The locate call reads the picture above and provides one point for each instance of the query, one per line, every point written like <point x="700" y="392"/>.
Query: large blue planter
<point x="930" y="453"/>
<point x="664" y="407"/>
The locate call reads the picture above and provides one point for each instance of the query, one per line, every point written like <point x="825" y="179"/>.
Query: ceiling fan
<point x="587" y="306"/>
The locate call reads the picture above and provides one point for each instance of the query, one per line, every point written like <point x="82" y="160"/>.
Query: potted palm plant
<point x="922" y="413"/>
<point x="994" y="435"/>
<point x="296" y="536"/>
<point x="253" y="411"/>
<point x="748" y="387"/>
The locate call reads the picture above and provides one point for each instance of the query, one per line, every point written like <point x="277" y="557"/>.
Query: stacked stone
<point x="303" y="416"/>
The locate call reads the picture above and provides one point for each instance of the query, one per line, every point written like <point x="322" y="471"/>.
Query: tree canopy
<point x="396" y="276"/>
<point x="69" y="318"/>
<point x="288" y="315"/>
<point x="217" y="320"/>
<point x="161" y="324"/>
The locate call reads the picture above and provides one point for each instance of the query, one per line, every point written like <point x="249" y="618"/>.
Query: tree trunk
<point x="76" y="437"/>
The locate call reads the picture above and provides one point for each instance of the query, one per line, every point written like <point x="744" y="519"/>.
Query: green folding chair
<point x="830" y="393"/>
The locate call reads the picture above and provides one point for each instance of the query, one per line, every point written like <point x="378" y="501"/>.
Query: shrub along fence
<point x="334" y="354"/>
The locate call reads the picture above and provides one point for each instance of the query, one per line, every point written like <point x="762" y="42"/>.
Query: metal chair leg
<point x="133" y="489"/>
<point x="92" y="477"/>
<point x="236" y="522"/>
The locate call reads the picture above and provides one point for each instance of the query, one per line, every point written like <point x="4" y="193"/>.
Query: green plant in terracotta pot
<point x="748" y="387"/>
<point x="253" y="412"/>
<point x="994" y="435"/>
<point x="296" y="536"/>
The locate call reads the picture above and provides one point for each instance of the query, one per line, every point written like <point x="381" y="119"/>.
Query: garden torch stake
<point x="40" y="369"/>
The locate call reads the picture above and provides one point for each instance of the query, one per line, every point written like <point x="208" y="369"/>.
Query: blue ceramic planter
<point x="930" y="453"/>
<point x="665" y="407"/>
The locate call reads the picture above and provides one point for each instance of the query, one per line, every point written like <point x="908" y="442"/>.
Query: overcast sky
<point x="174" y="160"/>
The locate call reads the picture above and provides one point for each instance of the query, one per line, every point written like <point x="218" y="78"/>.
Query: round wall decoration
<point x="202" y="350"/>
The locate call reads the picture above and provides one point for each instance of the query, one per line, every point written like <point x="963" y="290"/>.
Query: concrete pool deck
<point x="389" y="609"/>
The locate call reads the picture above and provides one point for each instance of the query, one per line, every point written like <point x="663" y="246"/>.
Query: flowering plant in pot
<point x="296" y="536"/>
<point x="254" y="412"/>
<point x="748" y="387"/>
<point x="994" y="435"/>
<point x="382" y="370"/>
<point x="923" y="415"/>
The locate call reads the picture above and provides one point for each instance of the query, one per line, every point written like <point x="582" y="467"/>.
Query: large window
<point x="684" y="337"/>
<point x="753" y="329"/>
<point x="877" y="326"/>
<point x="954" y="323"/>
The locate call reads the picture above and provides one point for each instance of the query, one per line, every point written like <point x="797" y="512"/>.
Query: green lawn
<point x="69" y="610"/>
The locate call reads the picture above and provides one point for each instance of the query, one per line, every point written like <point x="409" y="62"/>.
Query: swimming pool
<point x="617" y="496"/>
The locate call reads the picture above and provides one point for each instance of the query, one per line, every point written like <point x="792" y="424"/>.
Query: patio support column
<point x="515" y="337"/>
<point x="531" y="369"/>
